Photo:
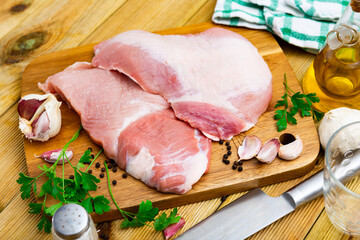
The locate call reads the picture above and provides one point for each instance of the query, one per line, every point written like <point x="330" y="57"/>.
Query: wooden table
<point x="31" y="28"/>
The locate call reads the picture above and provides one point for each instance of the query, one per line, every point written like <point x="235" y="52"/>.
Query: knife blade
<point x="256" y="210"/>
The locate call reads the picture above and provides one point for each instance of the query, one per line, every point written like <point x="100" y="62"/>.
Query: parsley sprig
<point x="145" y="215"/>
<point x="75" y="190"/>
<point x="300" y="103"/>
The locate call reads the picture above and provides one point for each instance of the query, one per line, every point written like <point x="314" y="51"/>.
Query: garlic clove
<point x="173" y="228"/>
<point x="52" y="155"/>
<point x="290" y="146"/>
<point x="249" y="148"/>
<point x="269" y="150"/>
<point x="40" y="116"/>
<point x="27" y="108"/>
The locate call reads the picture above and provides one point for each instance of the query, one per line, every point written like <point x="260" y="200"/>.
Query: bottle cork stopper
<point x="355" y="5"/>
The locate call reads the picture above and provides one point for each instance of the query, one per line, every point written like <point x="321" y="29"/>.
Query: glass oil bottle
<point x="334" y="74"/>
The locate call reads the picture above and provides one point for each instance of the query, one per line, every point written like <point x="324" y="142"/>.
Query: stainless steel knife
<point x="256" y="210"/>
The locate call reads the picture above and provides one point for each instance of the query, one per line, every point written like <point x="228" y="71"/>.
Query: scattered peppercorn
<point x="110" y="166"/>
<point x="221" y="142"/>
<point x="101" y="175"/>
<point x="107" y="160"/>
<point x="228" y="147"/>
<point x="103" y="169"/>
<point x="227" y="143"/>
<point x="92" y="156"/>
<point x="89" y="148"/>
<point x="229" y="153"/>
<point x="236" y="162"/>
<point x="71" y="176"/>
<point x="90" y="171"/>
<point x="114" y="164"/>
<point x="114" y="169"/>
<point x="240" y="169"/>
<point x="227" y="162"/>
<point x="223" y="198"/>
<point x="114" y="182"/>
<point x="240" y="162"/>
<point x="124" y="175"/>
<point x="234" y="167"/>
<point x="97" y="165"/>
<point x="225" y="156"/>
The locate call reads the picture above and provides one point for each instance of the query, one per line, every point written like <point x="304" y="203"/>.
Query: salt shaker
<point x="72" y="221"/>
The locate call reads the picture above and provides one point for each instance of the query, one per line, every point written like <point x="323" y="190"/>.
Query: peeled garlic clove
<point x="290" y="146"/>
<point x="52" y="155"/>
<point x="249" y="148"/>
<point x="269" y="150"/>
<point x="39" y="116"/>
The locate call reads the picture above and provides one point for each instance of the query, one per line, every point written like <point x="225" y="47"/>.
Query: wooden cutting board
<point x="221" y="179"/>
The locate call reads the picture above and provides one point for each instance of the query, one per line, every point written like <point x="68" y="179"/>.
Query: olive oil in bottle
<point x="334" y="74"/>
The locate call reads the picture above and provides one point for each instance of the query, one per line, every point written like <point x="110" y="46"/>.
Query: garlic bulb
<point x="335" y="119"/>
<point x="39" y="116"/>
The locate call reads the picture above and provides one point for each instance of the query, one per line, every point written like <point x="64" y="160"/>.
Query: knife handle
<point x="313" y="187"/>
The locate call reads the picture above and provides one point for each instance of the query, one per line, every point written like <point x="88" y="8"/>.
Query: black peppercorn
<point x="89" y="148"/>
<point x="221" y="142"/>
<point x="103" y="169"/>
<point x="240" y="169"/>
<point x="228" y="147"/>
<point x="227" y="143"/>
<point x="227" y="162"/>
<point x="234" y="167"/>
<point x="225" y="156"/>
<point x="90" y="171"/>
<point x="114" y="182"/>
<point x="71" y="176"/>
<point x="110" y="166"/>
<point x="223" y="198"/>
<point x="101" y="175"/>
<point x="124" y="175"/>
<point x="229" y="153"/>
<point x="240" y="162"/>
<point x="114" y="169"/>
<point x="92" y="156"/>
<point x="97" y="165"/>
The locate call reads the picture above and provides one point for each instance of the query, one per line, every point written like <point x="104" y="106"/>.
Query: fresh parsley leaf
<point x="163" y="221"/>
<point x="35" y="208"/>
<point x="44" y="224"/>
<point x="300" y="103"/>
<point x="52" y="209"/>
<point x="89" y="181"/>
<point x="101" y="204"/>
<point x="26" y="183"/>
<point x="317" y="116"/>
<point x="52" y="187"/>
<point x="87" y="204"/>
<point x="146" y="211"/>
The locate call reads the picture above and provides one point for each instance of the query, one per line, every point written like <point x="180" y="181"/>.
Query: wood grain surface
<point x="19" y="18"/>
<point x="221" y="179"/>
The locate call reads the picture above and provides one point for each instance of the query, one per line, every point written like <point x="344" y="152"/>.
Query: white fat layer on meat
<point x="140" y="166"/>
<point x="220" y="87"/>
<point x="194" y="167"/>
<point x="144" y="109"/>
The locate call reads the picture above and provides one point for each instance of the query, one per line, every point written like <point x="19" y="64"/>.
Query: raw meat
<point x="136" y="129"/>
<point x="215" y="80"/>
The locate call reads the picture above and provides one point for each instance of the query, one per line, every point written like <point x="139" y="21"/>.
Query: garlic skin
<point x="292" y="150"/>
<point x="335" y="119"/>
<point x="249" y="148"/>
<point x="269" y="151"/>
<point x="46" y="120"/>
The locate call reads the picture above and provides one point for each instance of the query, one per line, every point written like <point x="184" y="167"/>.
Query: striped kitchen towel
<point x="304" y="23"/>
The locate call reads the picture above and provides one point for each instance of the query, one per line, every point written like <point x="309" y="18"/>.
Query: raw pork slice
<point x="215" y="80"/>
<point x="137" y="129"/>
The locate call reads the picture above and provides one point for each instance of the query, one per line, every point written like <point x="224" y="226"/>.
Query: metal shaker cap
<point x="70" y="221"/>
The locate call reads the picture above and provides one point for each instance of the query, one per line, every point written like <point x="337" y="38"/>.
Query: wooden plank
<point x="221" y="179"/>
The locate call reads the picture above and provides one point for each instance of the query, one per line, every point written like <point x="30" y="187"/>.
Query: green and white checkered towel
<point x="304" y="23"/>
